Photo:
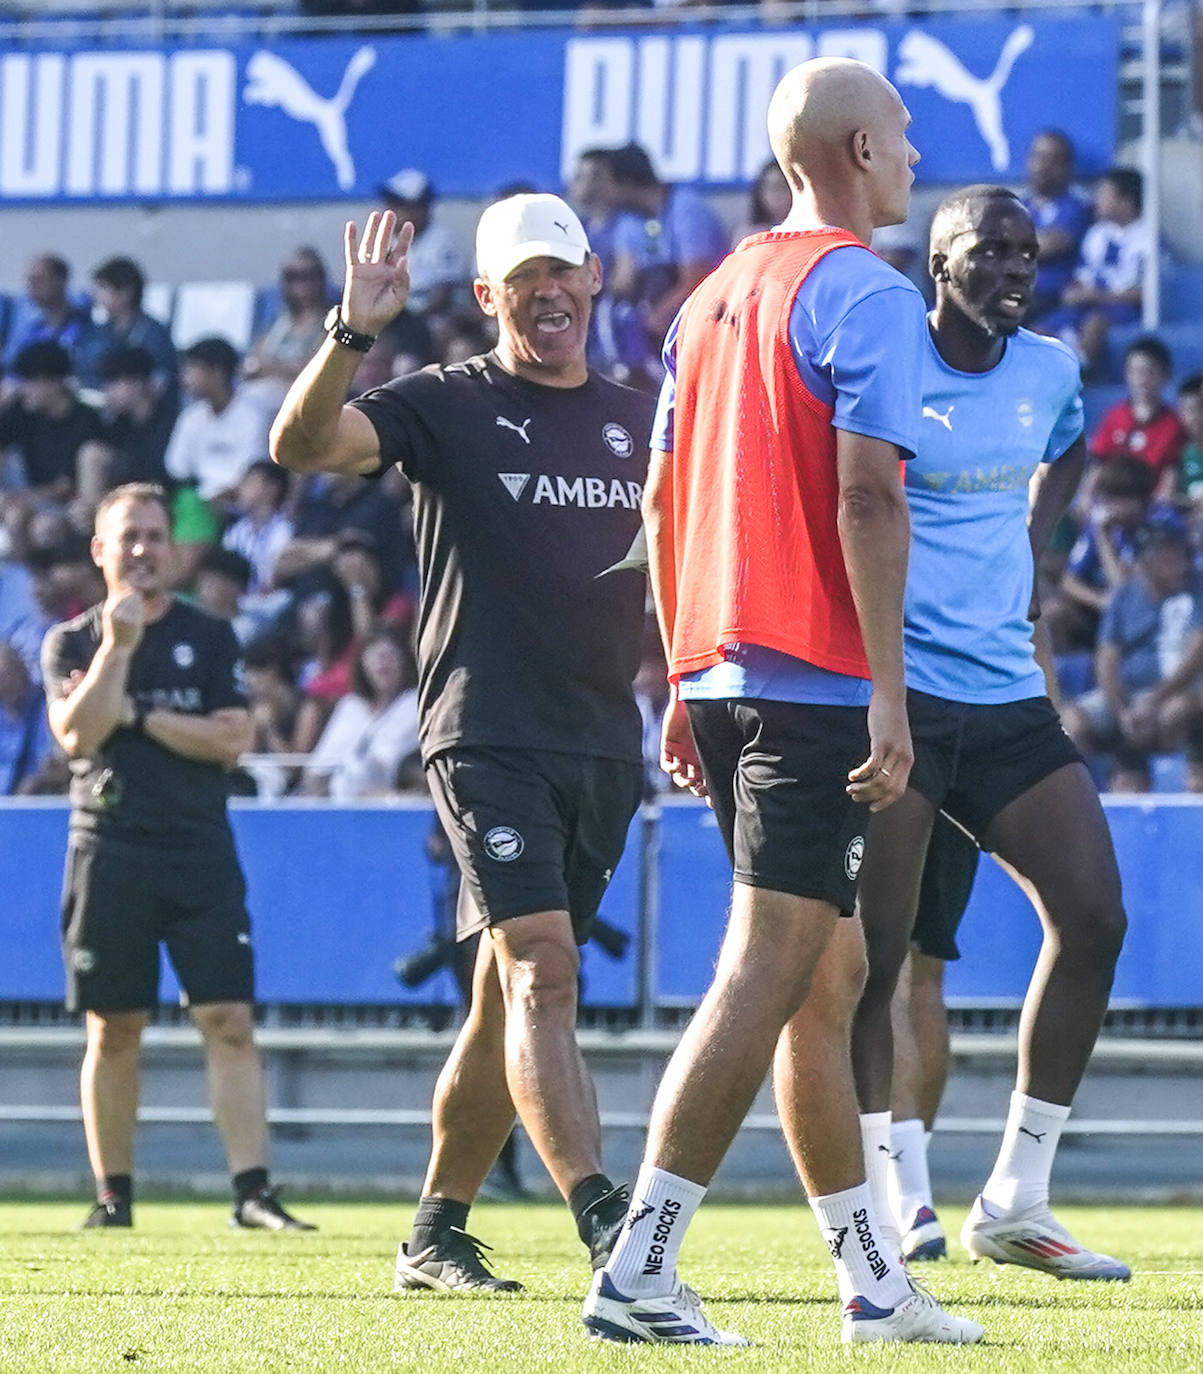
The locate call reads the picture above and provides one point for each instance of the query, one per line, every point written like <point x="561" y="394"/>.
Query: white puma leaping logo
<point x="930" y="413"/>
<point x="925" y="61"/>
<point x="519" y="430"/>
<point x="273" y="82"/>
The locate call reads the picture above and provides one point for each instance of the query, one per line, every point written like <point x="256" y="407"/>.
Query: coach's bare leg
<point x="234" y="1072"/>
<point x="473" y="1112"/>
<point x="108" y="1088"/>
<point x="812" y="1071"/>
<point x="537" y="963"/>
<point x="773" y="945"/>
<point x="1055" y="840"/>
<point x="887" y="899"/>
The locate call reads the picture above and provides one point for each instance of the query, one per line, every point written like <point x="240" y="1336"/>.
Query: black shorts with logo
<point x="974" y="760"/>
<point x="948" y="875"/>
<point x="533" y="830"/>
<point x="777" y="773"/>
<point x="120" y="902"/>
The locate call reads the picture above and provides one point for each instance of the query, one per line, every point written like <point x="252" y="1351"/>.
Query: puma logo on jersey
<point x="519" y="430"/>
<point x="929" y="413"/>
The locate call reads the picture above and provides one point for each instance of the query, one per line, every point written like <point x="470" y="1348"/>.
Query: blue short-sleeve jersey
<point x="857" y="335"/>
<point x="969" y="585"/>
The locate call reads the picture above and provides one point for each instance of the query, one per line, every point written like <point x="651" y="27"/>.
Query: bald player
<point x="777" y="540"/>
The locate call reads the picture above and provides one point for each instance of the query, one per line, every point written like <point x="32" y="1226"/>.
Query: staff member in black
<point x="144" y="696"/>
<point x="527" y="471"/>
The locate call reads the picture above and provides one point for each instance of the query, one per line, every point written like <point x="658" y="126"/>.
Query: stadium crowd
<point x="317" y="573"/>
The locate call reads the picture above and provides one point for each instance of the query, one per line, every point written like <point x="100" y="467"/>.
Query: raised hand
<point x="377" y="280"/>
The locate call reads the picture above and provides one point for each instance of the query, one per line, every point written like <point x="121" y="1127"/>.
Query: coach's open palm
<point x="377" y="281"/>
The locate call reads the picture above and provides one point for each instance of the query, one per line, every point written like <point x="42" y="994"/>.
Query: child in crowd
<point x="1105" y="289"/>
<point x="1144" y="425"/>
<point x="1190" y="415"/>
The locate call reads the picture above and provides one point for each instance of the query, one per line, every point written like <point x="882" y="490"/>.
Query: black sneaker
<point x="262" y="1211"/>
<point x="455" y="1262"/>
<point x="604" y="1219"/>
<point x="110" y="1213"/>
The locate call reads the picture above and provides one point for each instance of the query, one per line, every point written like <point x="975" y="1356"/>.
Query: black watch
<point x="349" y="338"/>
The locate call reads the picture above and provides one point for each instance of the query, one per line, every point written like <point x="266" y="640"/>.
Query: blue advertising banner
<point x="320" y="118"/>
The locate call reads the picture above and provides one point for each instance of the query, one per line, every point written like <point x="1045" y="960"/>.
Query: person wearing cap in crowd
<point x="436" y="262"/>
<point x="527" y="472"/>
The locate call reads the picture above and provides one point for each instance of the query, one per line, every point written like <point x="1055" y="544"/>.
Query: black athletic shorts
<point x="777" y="773"/>
<point x="121" y="902"/>
<point x="972" y="761"/>
<point x="533" y="830"/>
<point x="948" y="876"/>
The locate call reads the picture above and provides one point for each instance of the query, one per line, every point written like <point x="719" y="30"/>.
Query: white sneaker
<point x="918" y="1318"/>
<point x="675" y="1318"/>
<point x="1036" y="1240"/>
<point x="924" y="1238"/>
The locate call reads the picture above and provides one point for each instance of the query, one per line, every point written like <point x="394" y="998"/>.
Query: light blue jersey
<point x="856" y="331"/>
<point x="969" y="585"/>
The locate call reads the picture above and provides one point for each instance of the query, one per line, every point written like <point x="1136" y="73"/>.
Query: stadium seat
<point x="158" y="300"/>
<point x="1096" y="401"/>
<point x="222" y="308"/>
<point x="1182" y="294"/>
<point x="1184" y="339"/>
<point x="1075" y="673"/>
<point x="1169" y="772"/>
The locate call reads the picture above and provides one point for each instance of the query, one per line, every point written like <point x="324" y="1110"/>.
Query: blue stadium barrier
<point x="337" y="893"/>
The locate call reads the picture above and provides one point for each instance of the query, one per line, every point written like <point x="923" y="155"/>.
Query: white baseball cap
<point x="529" y="226"/>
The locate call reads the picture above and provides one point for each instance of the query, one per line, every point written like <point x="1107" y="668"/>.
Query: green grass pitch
<point x="182" y="1293"/>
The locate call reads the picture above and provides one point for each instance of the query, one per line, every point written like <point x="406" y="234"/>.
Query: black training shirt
<point x="522" y="495"/>
<point x="135" y="789"/>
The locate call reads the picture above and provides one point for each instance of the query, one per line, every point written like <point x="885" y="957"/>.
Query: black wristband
<point x="342" y="334"/>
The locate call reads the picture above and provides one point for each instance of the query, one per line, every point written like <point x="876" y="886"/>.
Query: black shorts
<point x="533" y="830"/>
<point x="777" y="773"/>
<point x="973" y="761"/>
<point x="948" y="875"/>
<point x="121" y="902"/>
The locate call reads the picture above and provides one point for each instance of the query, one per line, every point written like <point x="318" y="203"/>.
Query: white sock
<point x="875" y="1143"/>
<point x="910" y="1182"/>
<point x="643" y="1262"/>
<point x="864" y="1267"/>
<point x="1025" y="1159"/>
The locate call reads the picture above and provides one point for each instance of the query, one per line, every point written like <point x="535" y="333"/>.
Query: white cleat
<point x="918" y="1318"/>
<point x="924" y="1238"/>
<point x="1036" y="1240"/>
<point x="676" y="1318"/>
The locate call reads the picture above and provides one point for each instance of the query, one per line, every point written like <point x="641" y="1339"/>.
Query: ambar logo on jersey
<point x="117" y="124"/>
<point x="590" y="493"/>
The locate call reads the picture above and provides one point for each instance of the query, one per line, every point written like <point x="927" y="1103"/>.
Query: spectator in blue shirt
<point x="1061" y="214"/>
<point x="26" y="744"/>
<point x="667" y="239"/>
<point x="117" y="286"/>
<point x="1149" y="662"/>
<point x="47" y="313"/>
